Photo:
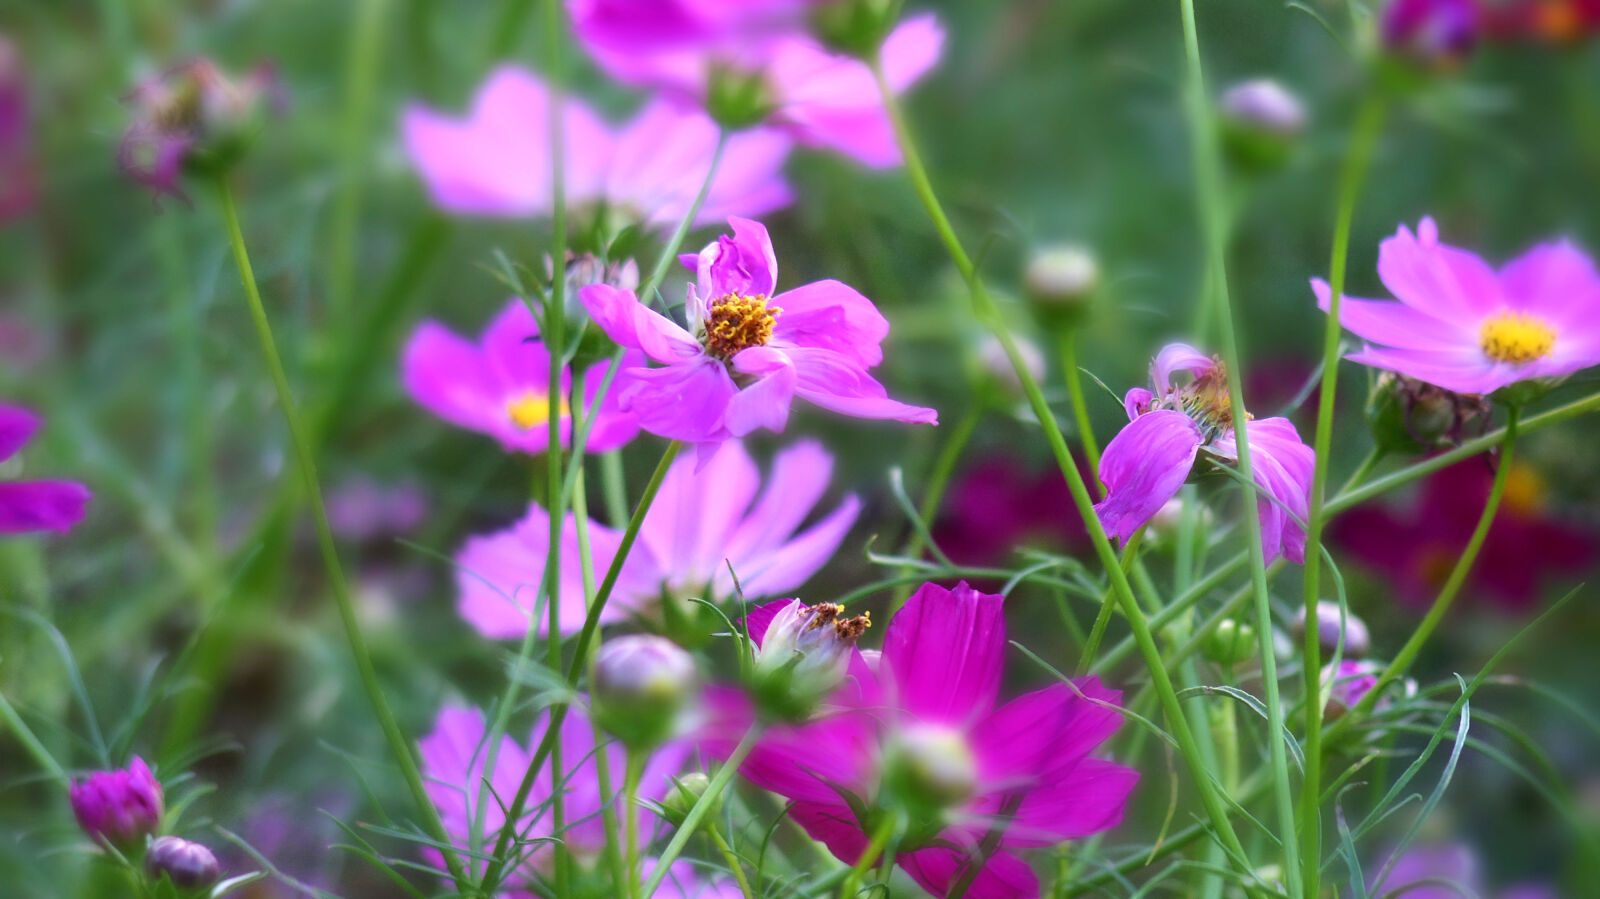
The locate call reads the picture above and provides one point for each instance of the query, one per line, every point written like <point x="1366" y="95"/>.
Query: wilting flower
<point x="500" y="386"/>
<point x="192" y="117"/>
<point x="1463" y="326"/>
<point x="34" y="505"/>
<point x="187" y="864"/>
<point x="497" y="161"/>
<point x="1146" y="463"/>
<point x="753" y="61"/>
<point x="1433" y="32"/>
<point x="701" y="523"/>
<point x="748" y="352"/>
<point x="120" y="807"/>
<point x="18" y="178"/>
<point x="1414" y="545"/>
<point x="924" y="717"/>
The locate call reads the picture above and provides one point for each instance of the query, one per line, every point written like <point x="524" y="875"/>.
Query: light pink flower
<point x="700" y="523"/>
<point x="1173" y="425"/>
<point x="747" y="352"/>
<point x="500" y="385"/>
<point x="496" y="161"/>
<point x="1463" y="326"/>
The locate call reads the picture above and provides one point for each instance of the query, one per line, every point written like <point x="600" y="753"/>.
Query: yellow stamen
<point x="739" y="322"/>
<point x="532" y="409"/>
<point x="1524" y="491"/>
<point x="1516" y="337"/>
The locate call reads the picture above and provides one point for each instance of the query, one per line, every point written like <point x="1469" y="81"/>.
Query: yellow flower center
<point x="532" y="409"/>
<point x="1524" y="491"/>
<point x="739" y="322"/>
<point x="1516" y="337"/>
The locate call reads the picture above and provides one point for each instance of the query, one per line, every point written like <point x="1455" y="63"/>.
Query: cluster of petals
<point x="1463" y="326"/>
<point x="119" y="806"/>
<point x="27" y="506"/>
<point x="1172" y="424"/>
<point x="497" y="160"/>
<point x="747" y="352"/>
<point x="701" y="524"/>
<point x="819" y="97"/>
<point x="500" y="385"/>
<point x="940" y="670"/>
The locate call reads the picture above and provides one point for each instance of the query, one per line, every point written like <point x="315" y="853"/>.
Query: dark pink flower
<point x="120" y="807"/>
<point x="1435" y="32"/>
<point x="747" y="351"/>
<point x="500" y="386"/>
<point x="1001" y="503"/>
<point x="27" y="506"/>
<point x="927" y="712"/>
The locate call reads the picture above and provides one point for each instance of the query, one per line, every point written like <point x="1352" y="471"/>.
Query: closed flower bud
<point x="854" y="27"/>
<point x="682" y="796"/>
<point x="120" y="807"/>
<point x="188" y="865"/>
<point x="1411" y="416"/>
<point x="642" y="684"/>
<point x="1356" y="641"/>
<point x="1060" y="280"/>
<point x="1347" y="687"/>
<point x="737" y="100"/>
<point x="803" y="658"/>
<point x="1261" y="121"/>
<point x="1230" y="643"/>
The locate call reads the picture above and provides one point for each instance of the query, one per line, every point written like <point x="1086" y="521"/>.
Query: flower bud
<point x="1411" y="416"/>
<point x="1356" y="641"/>
<point x="642" y="684"/>
<point x="192" y="118"/>
<point x="188" y="865"/>
<point x="1060" y="280"/>
<point x="803" y="658"/>
<point x="120" y="807"/>
<point x="1436" y="34"/>
<point x="738" y="100"/>
<point x="1261" y="122"/>
<point x="1230" y="643"/>
<point x="997" y="365"/>
<point x="685" y="792"/>
<point x="1347" y="686"/>
<point x="854" y="27"/>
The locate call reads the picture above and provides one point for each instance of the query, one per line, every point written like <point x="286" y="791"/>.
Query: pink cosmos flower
<point x="747" y="352"/>
<point x="1435" y="32"/>
<point x="1171" y="426"/>
<point x="1465" y="327"/>
<point x="120" y="807"/>
<point x="700" y="523"/>
<point x="496" y="161"/>
<point x="927" y="707"/>
<point x="27" y="506"/>
<point x="500" y="386"/>
<point x="1002" y="503"/>
<point x="690" y="47"/>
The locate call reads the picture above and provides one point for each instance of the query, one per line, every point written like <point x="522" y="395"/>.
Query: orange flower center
<point x="1516" y="337"/>
<point x="738" y="322"/>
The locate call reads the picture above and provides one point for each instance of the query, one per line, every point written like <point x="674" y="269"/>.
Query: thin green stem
<point x="1080" y="409"/>
<point x="1103" y="618"/>
<point x="938" y="480"/>
<point x="24" y="735"/>
<point x="880" y="838"/>
<point x="360" y="83"/>
<point x="731" y="858"/>
<point x="702" y="807"/>
<point x="1362" y="472"/>
<point x="1369" y="124"/>
<point x="630" y="809"/>
<point x="398" y="747"/>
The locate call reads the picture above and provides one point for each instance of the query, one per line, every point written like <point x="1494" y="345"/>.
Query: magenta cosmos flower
<point x="1173" y="425"/>
<point x="747" y="352"/>
<point x="120" y="807"/>
<point x="500" y="386"/>
<point x="496" y="161"/>
<point x="700" y="523"/>
<point x="27" y="506"/>
<point x="1463" y="326"/>
<point x="928" y="706"/>
<point x="693" y="49"/>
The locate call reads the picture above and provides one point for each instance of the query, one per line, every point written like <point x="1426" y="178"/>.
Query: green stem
<point x="1369" y="124"/>
<point x="24" y="735"/>
<point x="630" y="811"/>
<point x="869" y="857"/>
<point x="938" y="480"/>
<point x="732" y="860"/>
<point x="702" y="806"/>
<point x="360" y="83"/>
<point x="1080" y="409"/>
<point x="398" y="747"/>
<point x="1363" y="471"/>
<point x="1103" y="618"/>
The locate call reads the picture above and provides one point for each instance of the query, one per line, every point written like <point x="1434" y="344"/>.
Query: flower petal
<point x="1176" y="357"/>
<point x="833" y="316"/>
<point x="809" y="763"/>
<point x="831" y="381"/>
<point x="1463" y="369"/>
<point x="1439" y="280"/>
<point x="685" y="401"/>
<point x="635" y="326"/>
<point x="1086" y="800"/>
<point x="696" y="511"/>
<point x="1048" y="731"/>
<point x="765" y="402"/>
<point x="29" y="506"/>
<point x="945" y="650"/>
<point x="1004" y="876"/>
<point x="1143" y="467"/>
<point x="786" y="567"/>
<point x="1393" y="324"/>
<point x="447" y="375"/>
<point x="17" y="426"/>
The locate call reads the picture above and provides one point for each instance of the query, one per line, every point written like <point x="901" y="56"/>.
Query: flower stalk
<point x="702" y="806"/>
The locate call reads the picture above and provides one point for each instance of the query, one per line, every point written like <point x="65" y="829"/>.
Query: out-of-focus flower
<point x="642" y="685"/>
<point x="1445" y="871"/>
<point x="18" y="175"/>
<point x="192" y="117"/>
<point x="701" y="523"/>
<point x="1171" y="426"/>
<point x="936" y="684"/>
<point x="1347" y="685"/>
<point x="1261" y="121"/>
<point x="121" y="807"/>
<point x="747" y="351"/>
<point x="187" y="864"/>
<point x="496" y="161"/>
<point x="27" y="506"/>
<point x="802" y="656"/>
<point x="1435" y="33"/>
<point x="1467" y="328"/>
<point x="1557" y="22"/>
<point x="750" y="62"/>
<point x="1332" y="626"/>
<point x="500" y="386"/>
<point x="363" y="509"/>
<point x="1414" y="544"/>
<point x="997" y="367"/>
<point x="1060" y="280"/>
<point x="1000" y="504"/>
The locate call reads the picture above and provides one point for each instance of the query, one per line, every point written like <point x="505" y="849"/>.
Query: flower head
<point x="748" y="351"/>
<point x="1174" y="424"/>
<point x="803" y="656"/>
<point x="927" y="715"/>
<point x="496" y="161"/>
<point x="192" y="117"/>
<point x="27" y="506"/>
<point x="1463" y="326"/>
<point x="702" y="523"/>
<point x="1348" y="684"/>
<point x="120" y="807"/>
<point x="501" y="385"/>
<point x="1438" y="33"/>
<point x="642" y="684"/>
<point x="187" y="864"/>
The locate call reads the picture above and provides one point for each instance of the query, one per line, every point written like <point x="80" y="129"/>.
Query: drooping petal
<point x="833" y="382"/>
<point x="1176" y="357"/>
<point x="744" y="263"/>
<point x="684" y="402"/>
<point x="17" y="426"/>
<point x="1437" y="279"/>
<point x="832" y="316"/>
<point x="29" y="506"/>
<point x="635" y="326"/>
<point x="1143" y="467"/>
<point x="945" y="650"/>
<point x="1004" y="876"/>
<point x="764" y="403"/>
<point x="1393" y="324"/>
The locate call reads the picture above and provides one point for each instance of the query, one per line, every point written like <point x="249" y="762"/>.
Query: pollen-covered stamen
<point x="532" y="409"/>
<point x="1207" y="400"/>
<point x="737" y="322"/>
<point x="1516" y="337"/>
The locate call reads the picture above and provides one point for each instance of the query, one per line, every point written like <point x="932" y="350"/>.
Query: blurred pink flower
<point x="1463" y="326"/>
<point x="18" y="174"/>
<point x="364" y="509"/>
<point x="121" y="807"/>
<point x="1435" y="32"/>
<point x="935" y="686"/>
<point x="694" y="49"/>
<point x="747" y="352"/>
<point x="1445" y="871"/>
<point x="1146" y="463"/>
<point x="500" y="386"/>
<point x="27" y="506"/>
<point x="496" y="162"/>
<point x="1000" y="504"/>
<point x="700" y="523"/>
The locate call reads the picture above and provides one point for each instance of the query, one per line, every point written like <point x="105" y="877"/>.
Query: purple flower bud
<point x="1356" y="641"/>
<point x="642" y="683"/>
<point x="1438" y="33"/>
<point x="120" y="807"/>
<point x="1264" y="104"/>
<point x="188" y="865"/>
